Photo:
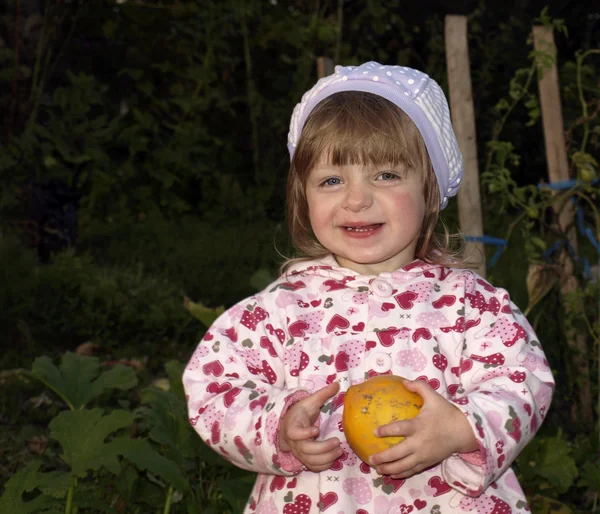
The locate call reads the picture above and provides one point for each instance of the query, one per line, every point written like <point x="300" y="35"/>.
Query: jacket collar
<point x="328" y="267"/>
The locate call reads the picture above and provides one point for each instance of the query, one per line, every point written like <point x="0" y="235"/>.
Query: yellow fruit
<point x="375" y="402"/>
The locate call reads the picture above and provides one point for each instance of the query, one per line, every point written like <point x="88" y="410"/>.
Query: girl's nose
<point x="357" y="198"/>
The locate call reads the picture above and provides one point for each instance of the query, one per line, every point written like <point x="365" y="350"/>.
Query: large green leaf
<point x="56" y="483"/>
<point x="175" y="371"/>
<point x="590" y="476"/>
<point x="79" y="379"/>
<point x="556" y="464"/>
<point x="26" y="480"/>
<point x="166" y="414"/>
<point x="237" y="490"/>
<point x="82" y="435"/>
<point x="141" y="453"/>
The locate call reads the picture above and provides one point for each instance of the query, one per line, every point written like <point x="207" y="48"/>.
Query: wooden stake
<point x="463" y="120"/>
<point x="324" y="67"/>
<point x="558" y="169"/>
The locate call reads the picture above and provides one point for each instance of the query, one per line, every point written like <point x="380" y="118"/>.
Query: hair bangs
<point x="355" y="128"/>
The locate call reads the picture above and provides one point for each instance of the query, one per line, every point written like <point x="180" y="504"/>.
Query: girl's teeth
<point x="362" y="229"/>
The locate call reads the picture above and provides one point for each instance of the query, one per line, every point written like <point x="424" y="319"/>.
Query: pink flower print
<point x="359" y="489"/>
<point x="508" y="332"/>
<point x="354" y="349"/>
<point x="313" y="320"/>
<point x="434" y="319"/>
<point x="413" y="359"/>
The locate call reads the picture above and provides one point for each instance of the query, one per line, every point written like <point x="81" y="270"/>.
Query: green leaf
<point x="82" y="435"/>
<point x="26" y="480"/>
<point x="556" y="464"/>
<point x="205" y="314"/>
<point x="78" y="379"/>
<point x="174" y="371"/>
<point x="590" y="476"/>
<point x="55" y="483"/>
<point x="236" y="491"/>
<point x="261" y="279"/>
<point x="167" y="415"/>
<point x="143" y="455"/>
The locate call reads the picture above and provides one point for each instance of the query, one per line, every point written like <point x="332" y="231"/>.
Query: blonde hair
<point x="354" y="127"/>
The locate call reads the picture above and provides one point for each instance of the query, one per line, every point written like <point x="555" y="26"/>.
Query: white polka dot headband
<point x="417" y="94"/>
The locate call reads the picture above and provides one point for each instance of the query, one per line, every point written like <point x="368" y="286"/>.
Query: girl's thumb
<point x="421" y="387"/>
<point x="321" y="396"/>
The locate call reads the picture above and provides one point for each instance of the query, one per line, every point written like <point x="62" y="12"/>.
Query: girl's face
<point x="368" y="217"/>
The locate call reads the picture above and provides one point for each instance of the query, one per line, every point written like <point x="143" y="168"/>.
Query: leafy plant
<point x="114" y="456"/>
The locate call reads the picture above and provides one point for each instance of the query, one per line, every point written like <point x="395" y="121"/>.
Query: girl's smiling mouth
<point x="363" y="228"/>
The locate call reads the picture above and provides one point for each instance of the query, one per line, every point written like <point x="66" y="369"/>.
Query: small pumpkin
<point x="375" y="402"/>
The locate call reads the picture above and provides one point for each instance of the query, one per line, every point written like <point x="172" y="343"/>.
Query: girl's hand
<point x="298" y="434"/>
<point x="437" y="432"/>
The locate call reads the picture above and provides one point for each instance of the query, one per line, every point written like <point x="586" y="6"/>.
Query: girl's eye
<point x="333" y="181"/>
<point x="388" y="175"/>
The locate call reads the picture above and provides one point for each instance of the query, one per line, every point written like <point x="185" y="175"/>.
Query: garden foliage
<point x="142" y="173"/>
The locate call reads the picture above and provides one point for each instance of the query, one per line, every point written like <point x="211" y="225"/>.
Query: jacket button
<point x="381" y="288"/>
<point x="380" y="362"/>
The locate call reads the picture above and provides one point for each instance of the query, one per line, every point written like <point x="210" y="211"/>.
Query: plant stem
<point x="69" y="500"/>
<point x="69" y="507"/>
<point x="498" y="129"/>
<point x="168" y="501"/>
<point x="586" y="125"/>
<point x="340" y="22"/>
<point x="251" y="93"/>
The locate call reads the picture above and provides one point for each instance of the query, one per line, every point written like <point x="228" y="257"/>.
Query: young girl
<point x="374" y="159"/>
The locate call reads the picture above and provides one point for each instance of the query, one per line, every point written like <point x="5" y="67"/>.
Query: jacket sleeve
<point x="505" y="390"/>
<point x="235" y="388"/>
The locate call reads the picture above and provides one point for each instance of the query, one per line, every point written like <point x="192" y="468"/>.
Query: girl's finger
<point x="398" y="467"/>
<point x="320" y="447"/>
<point x="401" y="451"/>
<point x="397" y="428"/>
<point x="323" y="459"/>
<point x="298" y="433"/>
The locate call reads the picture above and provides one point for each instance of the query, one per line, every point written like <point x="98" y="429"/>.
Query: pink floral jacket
<point x="320" y="323"/>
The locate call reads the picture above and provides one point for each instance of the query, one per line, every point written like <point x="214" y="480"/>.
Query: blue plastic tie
<point x="500" y="243"/>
